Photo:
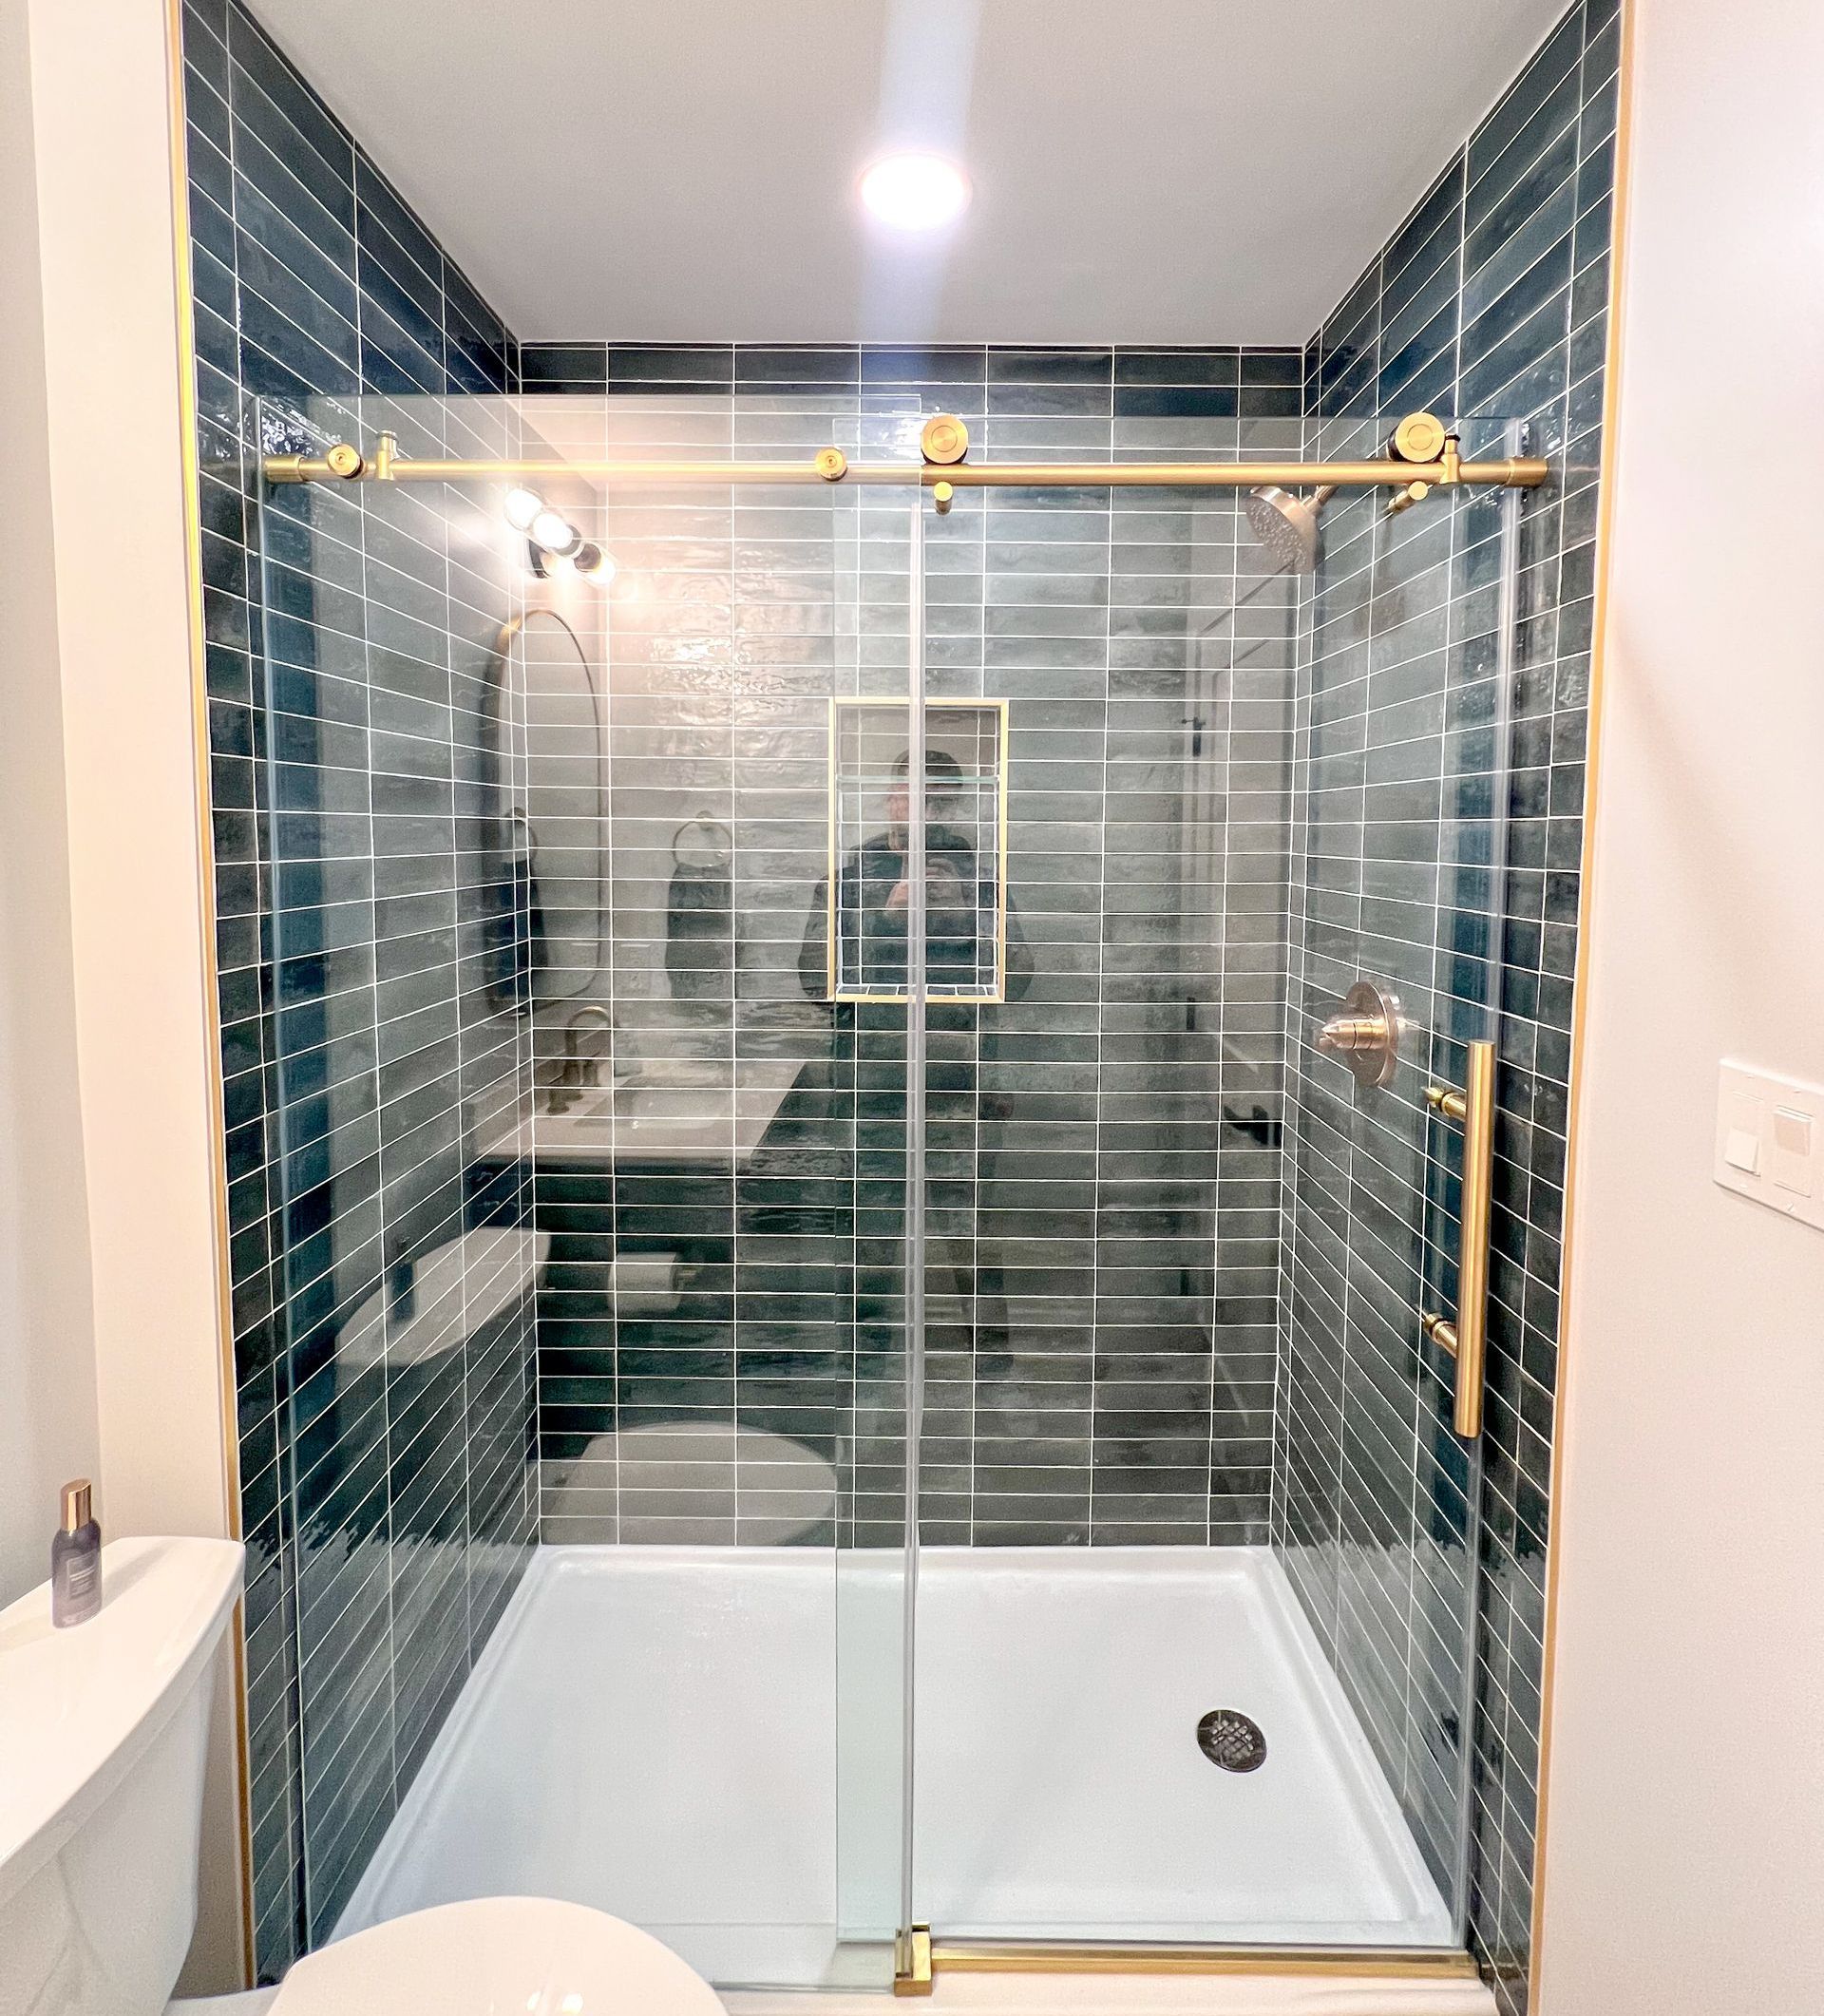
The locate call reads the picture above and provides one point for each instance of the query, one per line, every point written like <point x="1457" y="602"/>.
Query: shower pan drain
<point x="1232" y="1739"/>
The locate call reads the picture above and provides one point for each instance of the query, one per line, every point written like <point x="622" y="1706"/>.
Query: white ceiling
<point x="1146" y="171"/>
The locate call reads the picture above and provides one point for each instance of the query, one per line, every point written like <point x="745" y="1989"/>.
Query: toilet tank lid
<point x="78" y="1707"/>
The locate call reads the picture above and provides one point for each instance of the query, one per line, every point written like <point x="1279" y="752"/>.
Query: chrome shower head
<point x="1287" y="525"/>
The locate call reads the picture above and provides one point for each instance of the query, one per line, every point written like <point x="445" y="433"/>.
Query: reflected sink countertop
<point x="697" y="1111"/>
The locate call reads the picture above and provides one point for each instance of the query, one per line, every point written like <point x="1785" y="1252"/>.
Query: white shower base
<point x="656" y="1731"/>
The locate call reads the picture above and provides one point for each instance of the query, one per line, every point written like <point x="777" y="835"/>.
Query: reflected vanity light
<point x="915" y="192"/>
<point x="555" y="533"/>
<point x="552" y="537"/>
<point x="521" y="506"/>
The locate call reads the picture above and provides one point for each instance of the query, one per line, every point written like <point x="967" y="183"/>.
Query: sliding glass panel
<point x="1103" y="1147"/>
<point x="597" y="1203"/>
<point x="1194" y="1631"/>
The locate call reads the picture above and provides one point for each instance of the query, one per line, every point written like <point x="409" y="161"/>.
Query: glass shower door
<point x="1105" y="1139"/>
<point x="757" y="1425"/>
<point x="596" y="1199"/>
<point x="1198" y="1597"/>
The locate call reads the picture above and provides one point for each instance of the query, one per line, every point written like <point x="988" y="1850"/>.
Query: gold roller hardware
<point x="1420" y="437"/>
<point x="943" y="439"/>
<point x="1423" y="437"/>
<point x="1467" y="1339"/>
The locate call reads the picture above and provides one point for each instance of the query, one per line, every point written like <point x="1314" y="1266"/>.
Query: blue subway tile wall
<point x="1103" y="1146"/>
<point x="382" y="1301"/>
<point x="1489" y="305"/>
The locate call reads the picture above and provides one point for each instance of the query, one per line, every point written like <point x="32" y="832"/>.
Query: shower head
<point x="1287" y="525"/>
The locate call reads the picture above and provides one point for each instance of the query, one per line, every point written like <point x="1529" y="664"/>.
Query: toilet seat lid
<point x="497" y="1956"/>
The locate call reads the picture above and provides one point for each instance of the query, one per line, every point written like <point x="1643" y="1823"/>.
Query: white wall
<point x="111" y="1316"/>
<point x="47" y="1421"/>
<point x="1684" y="1831"/>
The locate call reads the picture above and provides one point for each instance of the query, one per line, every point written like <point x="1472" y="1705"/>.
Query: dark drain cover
<point x="1232" y="1739"/>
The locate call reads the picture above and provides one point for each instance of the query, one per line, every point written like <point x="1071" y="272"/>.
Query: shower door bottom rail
<point x="921" y="1956"/>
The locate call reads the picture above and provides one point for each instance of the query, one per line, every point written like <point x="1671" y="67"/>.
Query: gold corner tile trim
<point x="190" y="478"/>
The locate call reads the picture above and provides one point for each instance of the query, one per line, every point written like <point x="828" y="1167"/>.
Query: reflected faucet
<point x="580" y="1070"/>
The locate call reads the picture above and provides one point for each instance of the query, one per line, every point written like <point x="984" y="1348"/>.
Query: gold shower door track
<point x="1422" y="455"/>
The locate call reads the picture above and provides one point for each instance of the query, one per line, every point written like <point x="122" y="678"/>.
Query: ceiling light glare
<point x="915" y="192"/>
<point x="593" y="561"/>
<point x="521" y="506"/>
<point x="555" y="533"/>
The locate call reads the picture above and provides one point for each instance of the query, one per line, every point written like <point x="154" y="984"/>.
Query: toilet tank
<point x="102" y="1731"/>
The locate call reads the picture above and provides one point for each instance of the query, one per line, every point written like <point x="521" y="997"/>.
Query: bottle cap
<point x="77" y="1497"/>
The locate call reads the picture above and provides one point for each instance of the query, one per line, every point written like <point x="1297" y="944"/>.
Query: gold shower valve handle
<point x="1364" y="1034"/>
<point x="1343" y="1033"/>
<point x="1467" y="1339"/>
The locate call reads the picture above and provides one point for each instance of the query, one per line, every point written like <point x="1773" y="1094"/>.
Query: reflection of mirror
<point x="558" y="788"/>
<point x="699" y="912"/>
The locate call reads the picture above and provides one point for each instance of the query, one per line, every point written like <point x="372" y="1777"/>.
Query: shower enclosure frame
<point x="1422" y="455"/>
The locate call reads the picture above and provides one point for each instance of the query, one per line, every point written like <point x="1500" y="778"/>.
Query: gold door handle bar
<point x="1467" y="1340"/>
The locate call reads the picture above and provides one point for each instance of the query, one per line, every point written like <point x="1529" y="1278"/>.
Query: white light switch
<point x="1769" y="1141"/>
<point x="1742" y="1149"/>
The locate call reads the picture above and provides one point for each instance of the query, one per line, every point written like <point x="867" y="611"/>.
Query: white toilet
<point x="102" y="1742"/>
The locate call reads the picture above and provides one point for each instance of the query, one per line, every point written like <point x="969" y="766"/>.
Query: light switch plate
<point x="1769" y="1141"/>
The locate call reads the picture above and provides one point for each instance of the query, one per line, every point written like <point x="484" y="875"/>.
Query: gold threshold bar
<point x="1072" y="1957"/>
<point x="347" y="465"/>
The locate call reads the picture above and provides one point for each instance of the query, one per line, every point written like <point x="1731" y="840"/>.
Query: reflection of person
<point x="873" y="897"/>
<point x="863" y="1088"/>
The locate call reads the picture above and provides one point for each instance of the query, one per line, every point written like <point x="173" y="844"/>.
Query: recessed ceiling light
<point x="915" y="192"/>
